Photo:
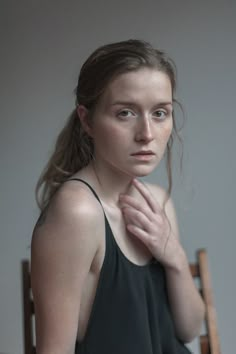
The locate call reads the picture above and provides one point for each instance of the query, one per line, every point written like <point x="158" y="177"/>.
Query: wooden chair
<point x="208" y="343"/>
<point x="28" y="310"/>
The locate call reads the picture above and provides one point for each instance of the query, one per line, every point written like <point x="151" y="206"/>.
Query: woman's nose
<point x="144" y="130"/>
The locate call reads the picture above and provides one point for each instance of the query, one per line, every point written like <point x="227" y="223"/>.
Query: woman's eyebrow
<point x="164" y="103"/>
<point x="130" y="103"/>
<point x="123" y="103"/>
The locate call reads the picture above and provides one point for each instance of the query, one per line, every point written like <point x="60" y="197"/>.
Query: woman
<point x="109" y="274"/>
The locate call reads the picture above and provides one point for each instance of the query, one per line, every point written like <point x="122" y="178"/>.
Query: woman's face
<point x="132" y="122"/>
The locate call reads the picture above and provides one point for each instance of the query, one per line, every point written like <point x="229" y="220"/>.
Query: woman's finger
<point x="138" y="232"/>
<point x="136" y="217"/>
<point x="144" y="191"/>
<point x="129" y="201"/>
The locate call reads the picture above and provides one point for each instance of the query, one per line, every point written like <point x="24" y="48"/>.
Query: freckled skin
<point x="119" y="130"/>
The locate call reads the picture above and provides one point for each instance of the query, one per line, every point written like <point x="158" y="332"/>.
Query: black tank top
<point x="130" y="312"/>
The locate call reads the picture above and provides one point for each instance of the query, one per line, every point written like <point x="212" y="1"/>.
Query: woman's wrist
<point x="178" y="263"/>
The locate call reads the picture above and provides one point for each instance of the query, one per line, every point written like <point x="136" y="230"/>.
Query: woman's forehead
<point x="141" y="84"/>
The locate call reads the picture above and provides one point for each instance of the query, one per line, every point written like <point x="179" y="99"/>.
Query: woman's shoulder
<point x="73" y="214"/>
<point x="74" y="199"/>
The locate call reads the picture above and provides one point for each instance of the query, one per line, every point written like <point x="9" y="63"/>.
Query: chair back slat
<point x="204" y="345"/>
<point x="28" y="309"/>
<point x="207" y="294"/>
<point x="194" y="268"/>
<point x="209" y="343"/>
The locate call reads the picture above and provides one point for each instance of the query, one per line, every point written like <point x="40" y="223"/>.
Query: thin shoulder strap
<point x="88" y="185"/>
<point x="108" y="240"/>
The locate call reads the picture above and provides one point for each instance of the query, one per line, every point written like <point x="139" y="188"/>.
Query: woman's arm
<point x="62" y="254"/>
<point x="185" y="301"/>
<point x="158" y="230"/>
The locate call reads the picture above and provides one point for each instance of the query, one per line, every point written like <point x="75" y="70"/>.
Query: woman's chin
<point x="143" y="172"/>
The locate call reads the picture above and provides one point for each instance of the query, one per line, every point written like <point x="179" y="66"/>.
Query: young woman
<point x="109" y="274"/>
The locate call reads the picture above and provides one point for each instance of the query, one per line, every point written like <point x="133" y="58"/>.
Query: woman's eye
<point x="125" y="114"/>
<point x="160" y="114"/>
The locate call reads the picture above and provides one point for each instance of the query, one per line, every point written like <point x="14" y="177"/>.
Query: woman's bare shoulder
<point x="71" y="219"/>
<point x="73" y="200"/>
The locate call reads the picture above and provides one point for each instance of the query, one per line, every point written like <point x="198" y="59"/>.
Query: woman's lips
<point x="148" y="152"/>
<point x="143" y="155"/>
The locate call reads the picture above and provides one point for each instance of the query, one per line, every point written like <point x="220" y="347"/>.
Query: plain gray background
<point x="43" y="44"/>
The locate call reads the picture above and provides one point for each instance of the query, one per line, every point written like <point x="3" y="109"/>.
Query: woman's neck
<point x="109" y="184"/>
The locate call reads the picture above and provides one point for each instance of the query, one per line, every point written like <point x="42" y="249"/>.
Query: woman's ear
<point x="83" y="114"/>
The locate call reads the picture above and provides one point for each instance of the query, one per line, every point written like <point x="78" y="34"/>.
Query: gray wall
<point x="43" y="44"/>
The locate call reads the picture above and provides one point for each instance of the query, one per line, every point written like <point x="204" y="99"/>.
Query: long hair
<point x="74" y="148"/>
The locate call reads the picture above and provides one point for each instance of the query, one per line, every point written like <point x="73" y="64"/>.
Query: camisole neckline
<point x="151" y="261"/>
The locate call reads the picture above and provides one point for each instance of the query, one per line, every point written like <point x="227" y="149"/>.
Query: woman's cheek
<point x="167" y="129"/>
<point x="165" y="133"/>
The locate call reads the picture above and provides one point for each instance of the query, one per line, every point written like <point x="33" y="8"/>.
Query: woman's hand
<point x="149" y="223"/>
